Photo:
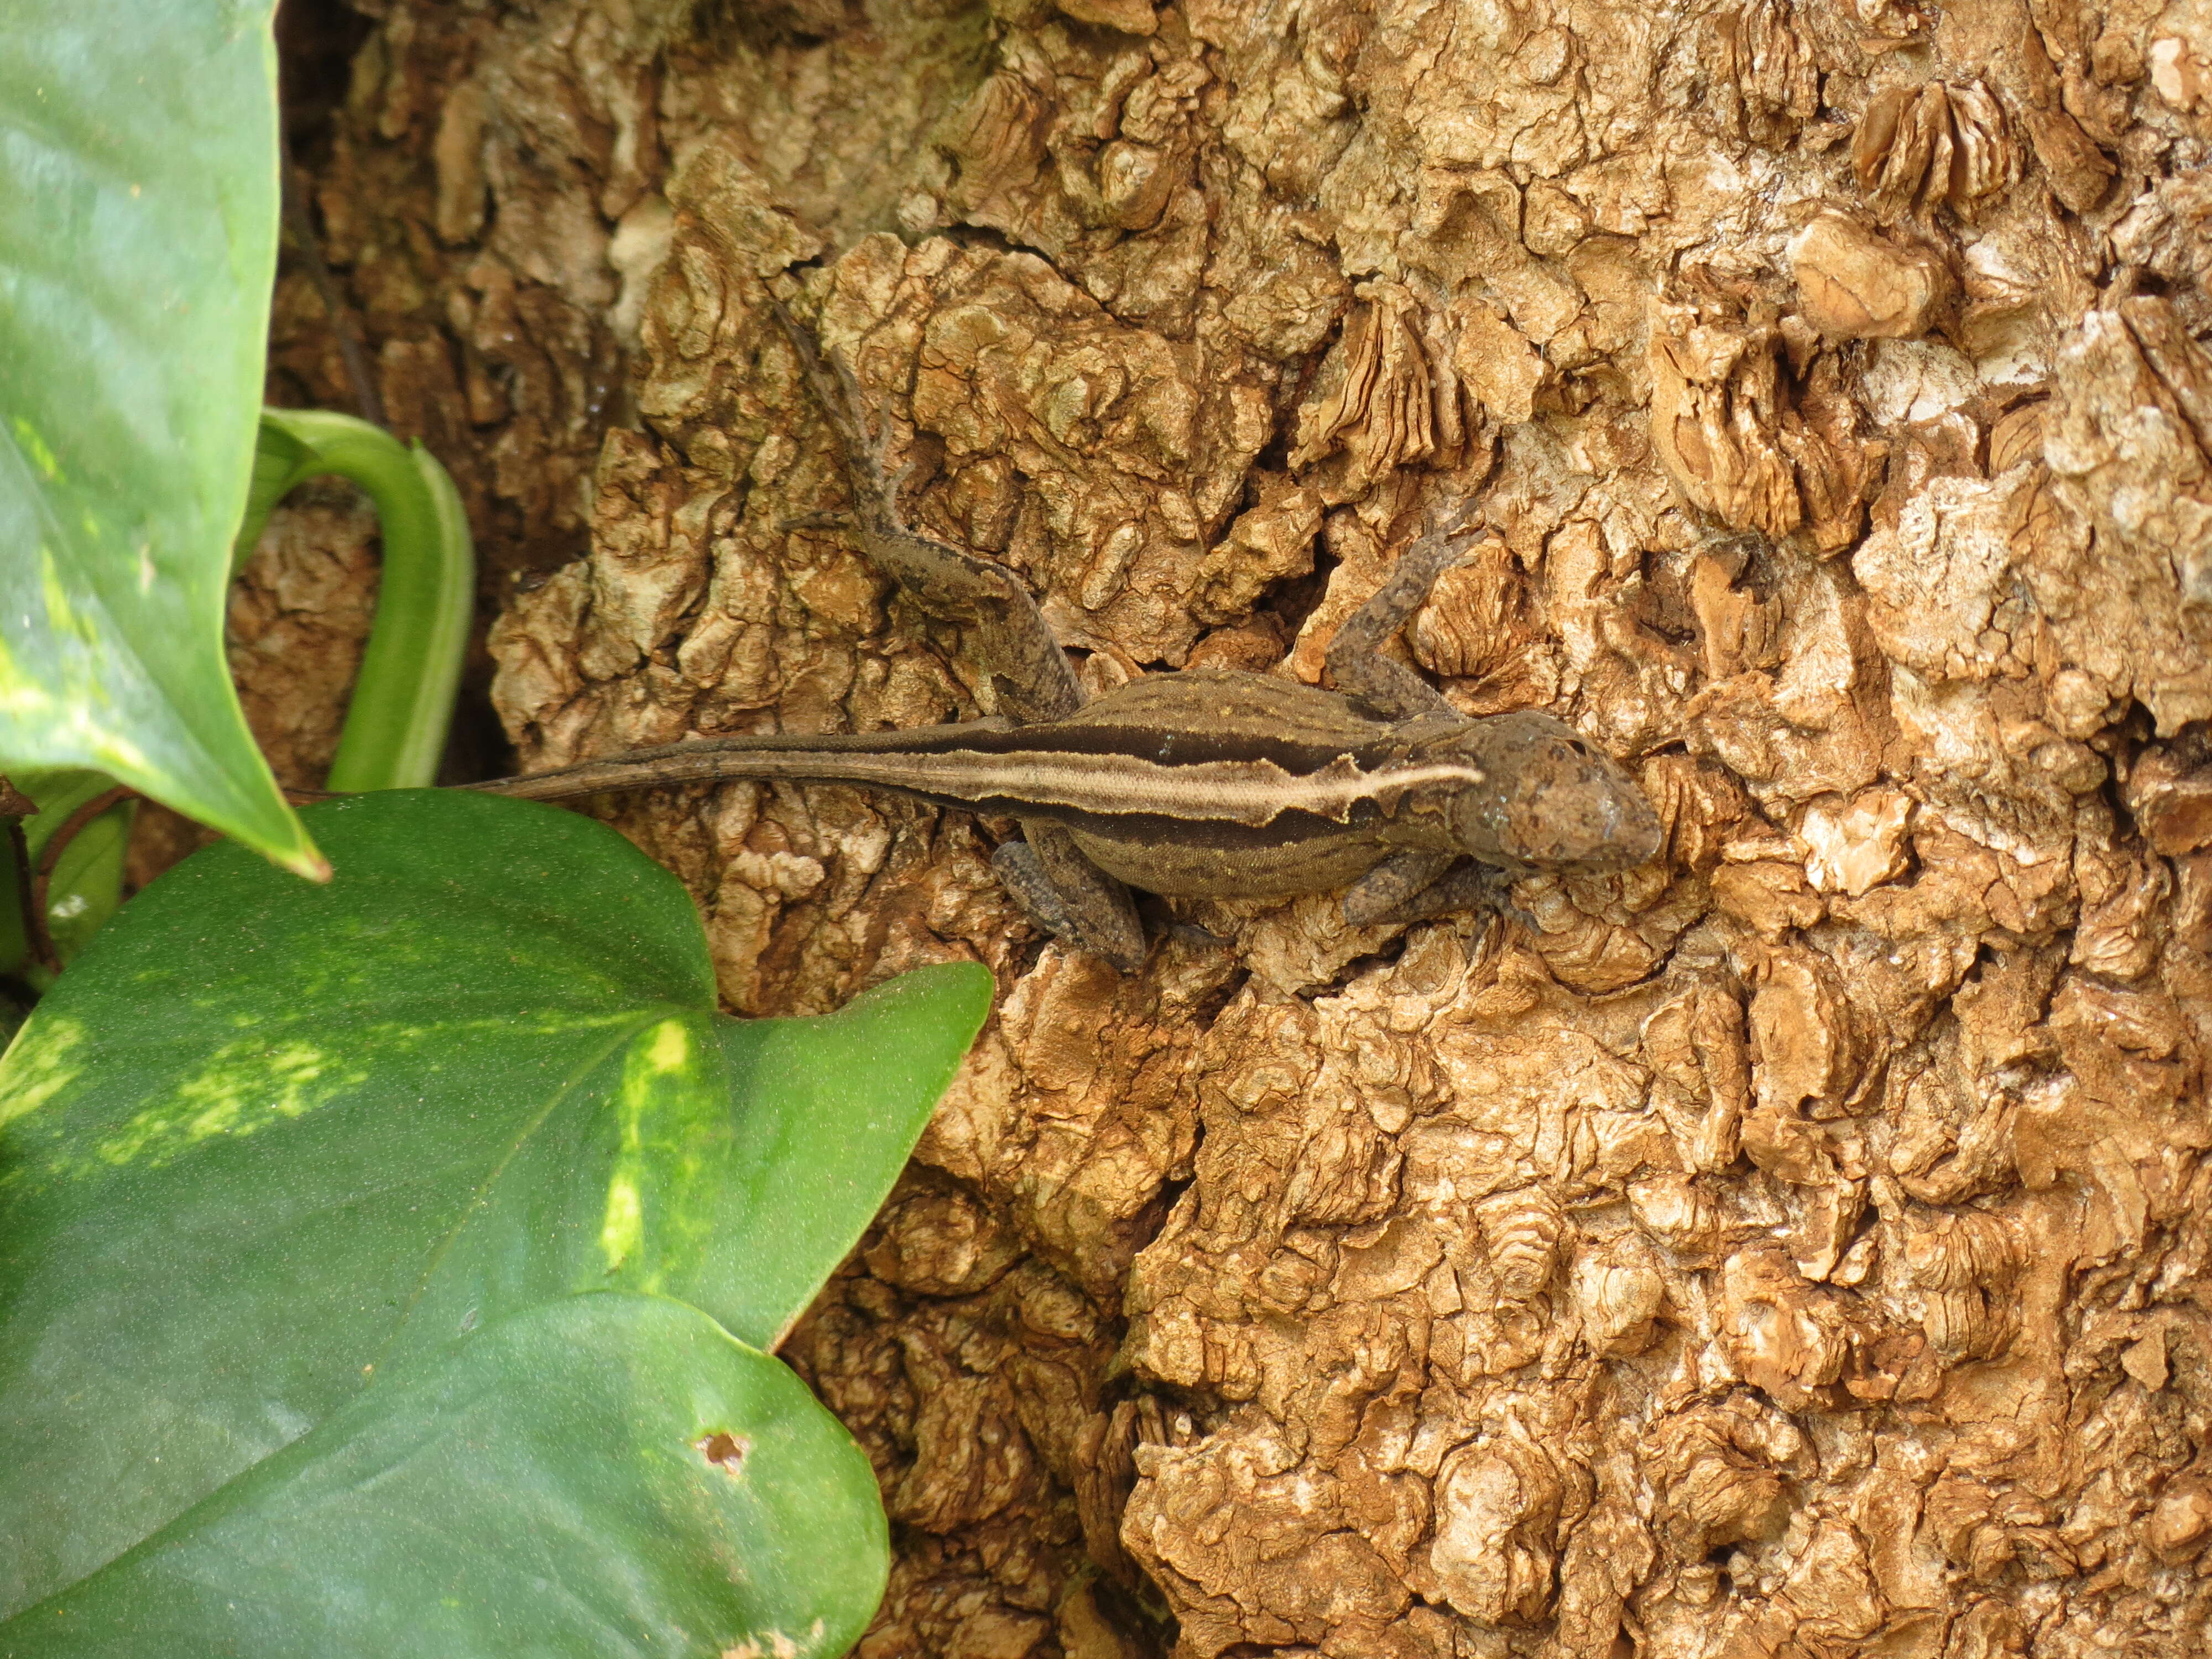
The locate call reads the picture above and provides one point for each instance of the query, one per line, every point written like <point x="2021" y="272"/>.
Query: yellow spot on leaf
<point x="672" y="1046"/>
<point x="623" y="1230"/>
<point x="39" y="1064"/>
<point x="243" y="1088"/>
<point x="28" y="438"/>
<point x="668" y="1108"/>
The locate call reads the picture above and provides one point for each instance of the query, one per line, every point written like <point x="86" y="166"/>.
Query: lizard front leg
<point x="1405" y="889"/>
<point x="1388" y="893"/>
<point x="1059" y="888"/>
<point x="1410" y="885"/>
<point x="1355" y="657"/>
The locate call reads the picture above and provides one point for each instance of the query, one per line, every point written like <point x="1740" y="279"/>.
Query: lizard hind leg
<point x="1070" y="898"/>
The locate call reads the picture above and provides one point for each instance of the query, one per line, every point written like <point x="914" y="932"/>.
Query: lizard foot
<point x="1412" y="888"/>
<point x="1382" y="895"/>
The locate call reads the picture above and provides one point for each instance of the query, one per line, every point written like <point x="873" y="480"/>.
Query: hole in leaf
<point x="724" y="1448"/>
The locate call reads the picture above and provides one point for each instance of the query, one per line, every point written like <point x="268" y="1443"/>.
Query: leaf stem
<point x="402" y="700"/>
<point x="37" y="937"/>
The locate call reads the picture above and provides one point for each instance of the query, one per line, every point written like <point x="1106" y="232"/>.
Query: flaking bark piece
<point x="1741" y="437"/>
<point x="1917" y="148"/>
<point x="1853" y="284"/>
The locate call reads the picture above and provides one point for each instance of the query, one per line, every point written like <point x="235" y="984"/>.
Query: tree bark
<point x="1795" y="1247"/>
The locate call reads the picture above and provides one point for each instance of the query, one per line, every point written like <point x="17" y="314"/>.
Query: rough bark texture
<point x="300" y="613"/>
<point x="1796" y="1247"/>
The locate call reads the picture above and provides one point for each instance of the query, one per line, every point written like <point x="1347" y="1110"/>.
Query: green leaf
<point x="815" y="1158"/>
<point x="265" y="1135"/>
<point x="476" y="1503"/>
<point x="137" y="247"/>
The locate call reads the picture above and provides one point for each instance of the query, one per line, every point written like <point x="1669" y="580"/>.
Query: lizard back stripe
<point x="1106" y="786"/>
<point x="1169" y="747"/>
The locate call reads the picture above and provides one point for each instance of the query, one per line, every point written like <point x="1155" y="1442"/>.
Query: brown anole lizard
<point x="1205" y="783"/>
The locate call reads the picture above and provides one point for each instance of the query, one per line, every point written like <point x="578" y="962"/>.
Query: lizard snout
<point x="1575" y="809"/>
<point x="1555" y="801"/>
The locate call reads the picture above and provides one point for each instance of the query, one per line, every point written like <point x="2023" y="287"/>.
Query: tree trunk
<point x="1794" y="1247"/>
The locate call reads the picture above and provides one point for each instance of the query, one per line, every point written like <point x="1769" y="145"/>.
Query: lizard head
<point x="1551" y="799"/>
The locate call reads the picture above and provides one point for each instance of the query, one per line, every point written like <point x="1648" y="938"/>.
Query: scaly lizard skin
<point x="1208" y="783"/>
